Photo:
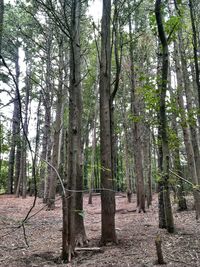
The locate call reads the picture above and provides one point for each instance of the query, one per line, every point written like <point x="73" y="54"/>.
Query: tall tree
<point x="136" y="129"/>
<point x="15" y="139"/>
<point x="108" y="233"/>
<point x="73" y="227"/>
<point x="57" y="130"/>
<point x="162" y="118"/>
<point x="195" y="47"/>
<point x="186" y="132"/>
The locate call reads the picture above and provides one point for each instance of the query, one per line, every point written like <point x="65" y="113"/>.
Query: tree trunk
<point x="46" y="140"/>
<point x="108" y="233"/>
<point x="1" y="22"/>
<point x="147" y="163"/>
<point x="195" y="48"/>
<point x="190" y="106"/>
<point x="127" y="153"/>
<point x="56" y="136"/>
<point x="162" y="119"/>
<point x="91" y="186"/>
<point x="160" y="188"/>
<point x="25" y="129"/>
<point x="15" y="128"/>
<point x="35" y="170"/>
<point x="136" y="130"/>
<point x="73" y="216"/>
<point x="176" y="157"/>
<point x="186" y="133"/>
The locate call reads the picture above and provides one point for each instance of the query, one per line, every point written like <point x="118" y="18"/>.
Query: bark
<point x="160" y="188"/>
<point x="162" y="119"/>
<point x="1" y="142"/>
<point x="56" y="136"/>
<point x="190" y="106"/>
<point x="46" y="140"/>
<point x="73" y="225"/>
<point x="35" y="169"/>
<point x="147" y="163"/>
<point x="15" y="128"/>
<point x="176" y="160"/>
<point x="91" y="186"/>
<point x="127" y="150"/>
<point x="108" y="233"/>
<point x="136" y="130"/>
<point x="1" y="22"/>
<point x="117" y="56"/>
<point x="17" y="165"/>
<point x="25" y="130"/>
<point x="159" y="253"/>
<point x="195" y="47"/>
<point x="186" y="133"/>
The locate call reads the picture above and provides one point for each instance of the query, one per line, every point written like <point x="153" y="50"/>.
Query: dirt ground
<point x="136" y="234"/>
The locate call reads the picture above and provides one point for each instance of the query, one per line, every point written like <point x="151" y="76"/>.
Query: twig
<point x="25" y="236"/>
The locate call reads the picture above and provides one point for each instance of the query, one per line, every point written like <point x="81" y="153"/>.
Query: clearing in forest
<point x="136" y="234"/>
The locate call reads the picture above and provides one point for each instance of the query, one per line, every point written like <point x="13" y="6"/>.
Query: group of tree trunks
<point x="64" y="145"/>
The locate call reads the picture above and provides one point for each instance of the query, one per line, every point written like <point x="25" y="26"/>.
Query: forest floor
<point x="136" y="234"/>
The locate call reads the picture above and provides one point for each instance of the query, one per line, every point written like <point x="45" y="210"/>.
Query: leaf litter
<point x="136" y="234"/>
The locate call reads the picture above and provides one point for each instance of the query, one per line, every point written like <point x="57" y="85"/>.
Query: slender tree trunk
<point x="94" y="141"/>
<point x="108" y="233"/>
<point x="127" y="150"/>
<point x="163" y="119"/>
<point x="117" y="55"/>
<point x="136" y="130"/>
<point x="195" y="47"/>
<point x="176" y="157"/>
<point x="1" y="142"/>
<point x="190" y="106"/>
<point x="1" y="21"/>
<point x="15" y="128"/>
<point x="35" y="170"/>
<point x="56" y="137"/>
<point x="160" y="188"/>
<point x="45" y="170"/>
<point x="25" y="130"/>
<point x="73" y="225"/>
<point x="147" y="163"/>
<point x="186" y="133"/>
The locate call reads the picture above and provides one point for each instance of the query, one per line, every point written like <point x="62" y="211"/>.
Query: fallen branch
<point x="185" y="180"/>
<point x="97" y="249"/>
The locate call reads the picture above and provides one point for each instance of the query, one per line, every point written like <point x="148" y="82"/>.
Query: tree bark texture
<point x="136" y="129"/>
<point x="73" y="221"/>
<point x="46" y="140"/>
<point x="1" y="21"/>
<point x="163" y="118"/>
<point x="195" y="47"/>
<point x="190" y="105"/>
<point x="56" y="134"/>
<point x="108" y="233"/>
<point x="186" y="133"/>
<point x="15" y="139"/>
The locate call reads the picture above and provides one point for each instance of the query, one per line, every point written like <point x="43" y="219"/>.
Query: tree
<point x="186" y="132"/>
<point x="108" y="233"/>
<point x="136" y="128"/>
<point x="162" y="119"/>
<point x="73" y="227"/>
<point x="1" y="21"/>
<point x="15" y="139"/>
<point x="57" y="130"/>
<point x="195" y="48"/>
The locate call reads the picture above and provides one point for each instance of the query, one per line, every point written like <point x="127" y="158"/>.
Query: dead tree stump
<point x="159" y="253"/>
